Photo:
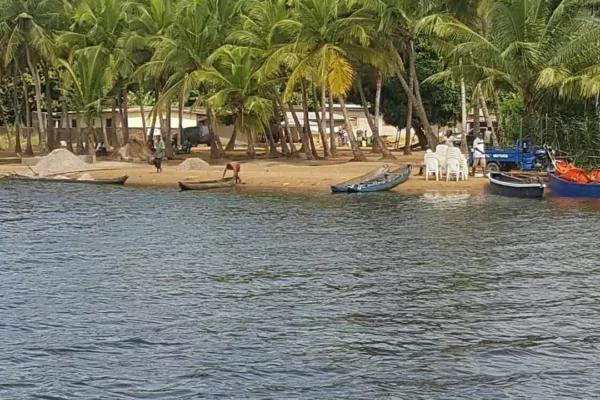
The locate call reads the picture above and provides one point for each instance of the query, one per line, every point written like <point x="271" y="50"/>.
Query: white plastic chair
<point x="464" y="167"/>
<point x="453" y="167"/>
<point x="431" y="166"/>
<point x="441" y="151"/>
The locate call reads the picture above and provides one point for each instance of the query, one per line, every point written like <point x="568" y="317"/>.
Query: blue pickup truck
<point x="523" y="156"/>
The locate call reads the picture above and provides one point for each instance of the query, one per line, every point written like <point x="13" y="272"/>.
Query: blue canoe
<point x="379" y="183"/>
<point x="344" y="187"/>
<point x="563" y="188"/>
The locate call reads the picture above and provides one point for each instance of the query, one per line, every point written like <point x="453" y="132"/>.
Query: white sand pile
<point x="193" y="164"/>
<point x="60" y="161"/>
<point x="134" y="151"/>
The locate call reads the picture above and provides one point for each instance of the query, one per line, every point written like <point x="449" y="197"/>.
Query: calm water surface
<point x="132" y="294"/>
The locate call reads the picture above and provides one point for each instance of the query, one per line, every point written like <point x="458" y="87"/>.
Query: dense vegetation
<point x="533" y="63"/>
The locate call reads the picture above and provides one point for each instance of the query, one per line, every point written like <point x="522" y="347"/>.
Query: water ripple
<point x="130" y="294"/>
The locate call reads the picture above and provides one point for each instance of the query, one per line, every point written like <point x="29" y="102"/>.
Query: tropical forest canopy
<point x="534" y="64"/>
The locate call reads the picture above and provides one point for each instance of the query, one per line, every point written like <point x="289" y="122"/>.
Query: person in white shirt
<point x="478" y="154"/>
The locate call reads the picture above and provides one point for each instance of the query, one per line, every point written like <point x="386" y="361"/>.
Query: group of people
<point x="159" y="154"/>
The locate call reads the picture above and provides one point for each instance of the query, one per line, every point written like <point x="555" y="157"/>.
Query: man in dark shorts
<point x="235" y="167"/>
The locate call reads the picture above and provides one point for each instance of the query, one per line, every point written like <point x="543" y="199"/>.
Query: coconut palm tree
<point x="526" y="47"/>
<point x="27" y="26"/>
<point x="238" y="89"/>
<point x="320" y="52"/>
<point x="104" y="23"/>
<point x="89" y="82"/>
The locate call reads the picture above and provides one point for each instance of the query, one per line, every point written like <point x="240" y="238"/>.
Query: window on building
<point x="108" y="122"/>
<point x="73" y="123"/>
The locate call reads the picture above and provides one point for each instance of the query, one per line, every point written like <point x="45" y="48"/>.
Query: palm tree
<point x="238" y="90"/>
<point x="320" y="52"/>
<point x="526" y="47"/>
<point x="27" y="25"/>
<point x="89" y="81"/>
<point x="397" y="22"/>
<point x="104" y="23"/>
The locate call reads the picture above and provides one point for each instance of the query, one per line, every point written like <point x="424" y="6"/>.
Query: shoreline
<point x="281" y="175"/>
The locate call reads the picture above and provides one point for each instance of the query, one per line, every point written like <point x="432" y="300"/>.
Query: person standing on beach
<point x="478" y="154"/>
<point x="159" y="153"/>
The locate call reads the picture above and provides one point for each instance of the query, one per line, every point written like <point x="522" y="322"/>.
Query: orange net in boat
<point x="595" y="176"/>
<point x="576" y="175"/>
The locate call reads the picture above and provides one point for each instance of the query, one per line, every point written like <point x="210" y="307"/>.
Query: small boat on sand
<point x="207" y="185"/>
<point x="344" y="186"/>
<point x="512" y="186"/>
<point x="382" y="181"/>
<point x="563" y="188"/>
<point x="113" y="181"/>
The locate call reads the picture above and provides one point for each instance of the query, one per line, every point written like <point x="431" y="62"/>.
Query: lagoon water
<point x="135" y="294"/>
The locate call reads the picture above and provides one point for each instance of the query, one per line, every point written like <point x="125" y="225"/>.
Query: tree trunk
<point x="250" y="139"/>
<point x="143" y="115"/>
<point x="150" y="135"/>
<point x="28" y="146"/>
<point x="431" y="137"/>
<point x="180" y="130"/>
<point x="409" y="111"/>
<point x="374" y="128"/>
<point x="322" y="123"/>
<point x="488" y="120"/>
<point x="421" y="137"/>
<point x="358" y="154"/>
<point x="499" y="116"/>
<point x="91" y="140"/>
<point x="271" y="142"/>
<point x="168" y="142"/>
<point x="114" y="141"/>
<point x="66" y="125"/>
<point x="216" y="148"/>
<point x="288" y="130"/>
<point x="476" y="121"/>
<point x="463" y="105"/>
<point x="51" y="136"/>
<point x="231" y="143"/>
<point x="283" y="136"/>
<point x="80" y="149"/>
<point x="17" y="106"/>
<point x="38" y="101"/>
<point x="332" y="135"/>
<point x="377" y="142"/>
<point x="308" y="142"/>
<point x="126" y="116"/>
<point x="304" y="148"/>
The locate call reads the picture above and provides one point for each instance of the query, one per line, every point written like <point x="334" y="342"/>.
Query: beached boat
<point x="207" y="185"/>
<point x="386" y="180"/>
<point x="344" y="187"/>
<point x="512" y="186"/>
<point x="563" y="188"/>
<point x="113" y="181"/>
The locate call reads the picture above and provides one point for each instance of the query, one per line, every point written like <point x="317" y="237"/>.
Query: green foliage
<point x="442" y="102"/>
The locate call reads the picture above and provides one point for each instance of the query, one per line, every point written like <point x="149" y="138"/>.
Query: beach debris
<point x="193" y="164"/>
<point x="60" y="161"/>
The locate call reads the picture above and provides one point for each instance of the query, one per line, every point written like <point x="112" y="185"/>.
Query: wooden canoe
<point x="344" y="187"/>
<point x="207" y="185"/>
<point x="113" y="181"/>
<point x="383" y="182"/>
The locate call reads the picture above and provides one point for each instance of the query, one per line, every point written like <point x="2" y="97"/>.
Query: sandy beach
<point x="275" y="175"/>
